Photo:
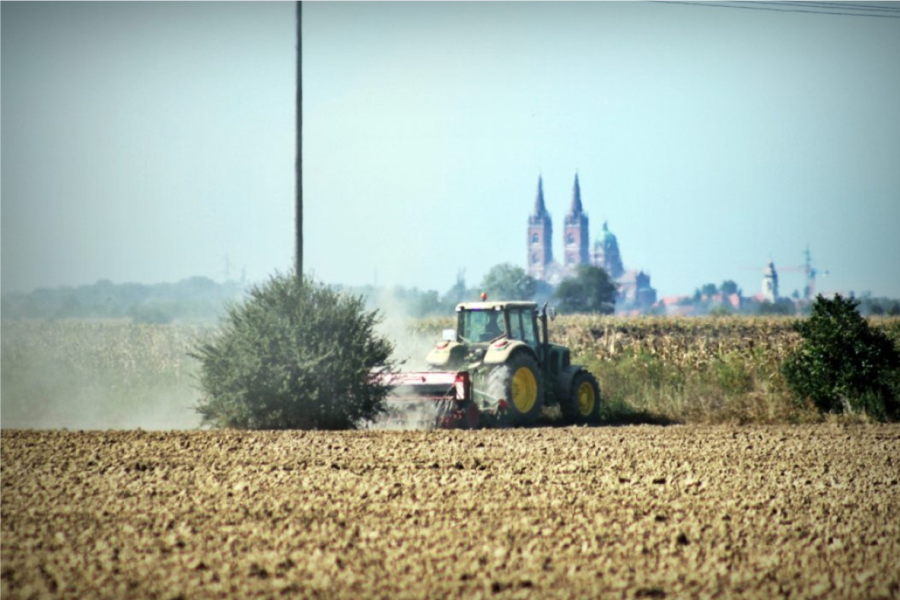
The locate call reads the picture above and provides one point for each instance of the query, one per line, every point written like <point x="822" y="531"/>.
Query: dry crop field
<point x="98" y="375"/>
<point x="805" y="511"/>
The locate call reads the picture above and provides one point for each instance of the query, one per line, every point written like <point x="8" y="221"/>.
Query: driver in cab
<point x="493" y="328"/>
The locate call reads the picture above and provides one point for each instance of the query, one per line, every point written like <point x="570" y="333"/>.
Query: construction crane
<point x="809" y="292"/>
<point x="770" y="279"/>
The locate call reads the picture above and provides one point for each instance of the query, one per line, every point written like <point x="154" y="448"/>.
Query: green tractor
<point x="499" y="367"/>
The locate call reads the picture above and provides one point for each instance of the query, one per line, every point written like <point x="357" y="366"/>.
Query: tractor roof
<point x="499" y="305"/>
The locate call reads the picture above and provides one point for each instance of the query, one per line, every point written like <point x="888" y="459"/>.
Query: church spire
<point x="576" y="209"/>
<point x="539" y="208"/>
<point x="576" y="232"/>
<point x="540" y="236"/>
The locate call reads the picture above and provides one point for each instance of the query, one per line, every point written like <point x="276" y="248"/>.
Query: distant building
<point x="700" y="304"/>
<point x="770" y="283"/>
<point x="635" y="291"/>
<point x="606" y="253"/>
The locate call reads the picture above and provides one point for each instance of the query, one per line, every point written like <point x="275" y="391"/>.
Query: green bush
<point x="843" y="364"/>
<point x="295" y="355"/>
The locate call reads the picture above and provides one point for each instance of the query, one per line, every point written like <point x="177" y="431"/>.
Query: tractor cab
<point x="488" y="332"/>
<point x="485" y="322"/>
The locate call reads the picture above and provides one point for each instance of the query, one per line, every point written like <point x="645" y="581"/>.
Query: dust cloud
<point x="412" y="342"/>
<point x="97" y="375"/>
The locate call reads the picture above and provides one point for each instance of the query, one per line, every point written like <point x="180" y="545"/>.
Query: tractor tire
<point x="518" y="383"/>
<point x="582" y="402"/>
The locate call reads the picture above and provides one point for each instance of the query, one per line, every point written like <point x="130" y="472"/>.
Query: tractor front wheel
<point x="518" y="385"/>
<point x="582" y="405"/>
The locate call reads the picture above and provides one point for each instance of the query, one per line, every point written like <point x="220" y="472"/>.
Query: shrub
<point x="295" y="355"/>
<point x="844" y="365"/>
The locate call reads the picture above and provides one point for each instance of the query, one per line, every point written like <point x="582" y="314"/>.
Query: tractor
<point x="498" y="368"/>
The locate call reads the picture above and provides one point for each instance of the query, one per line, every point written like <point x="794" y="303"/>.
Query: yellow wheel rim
<point x="586" y="398"/>
<point x="524" y="390"/>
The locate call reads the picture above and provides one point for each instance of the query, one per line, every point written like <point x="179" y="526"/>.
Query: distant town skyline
<point x="147" y="142"/>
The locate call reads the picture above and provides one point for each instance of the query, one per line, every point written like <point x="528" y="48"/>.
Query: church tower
<point x="540" y="237"/>
<point x="575" y="239"/>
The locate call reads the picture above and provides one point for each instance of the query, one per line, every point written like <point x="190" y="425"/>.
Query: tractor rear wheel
<point x="518" y="383"/>
<point x="582" y="403"/>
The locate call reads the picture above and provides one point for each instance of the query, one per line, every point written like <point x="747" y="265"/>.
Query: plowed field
<point x="632" y="512"/>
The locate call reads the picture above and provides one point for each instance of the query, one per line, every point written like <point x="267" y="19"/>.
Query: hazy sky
<point x="147" y="142"/>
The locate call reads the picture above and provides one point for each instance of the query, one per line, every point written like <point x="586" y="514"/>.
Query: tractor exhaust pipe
<point x="545" y="339"/>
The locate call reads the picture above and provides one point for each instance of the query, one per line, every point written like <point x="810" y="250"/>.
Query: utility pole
<point x="298" y="267"/>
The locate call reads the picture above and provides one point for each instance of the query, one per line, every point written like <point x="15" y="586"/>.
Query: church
<point x="634" y="287"/>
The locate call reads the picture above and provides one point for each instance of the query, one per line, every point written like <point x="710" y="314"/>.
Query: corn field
<point x="97" y="375"/>
<point x="683" y="342"/>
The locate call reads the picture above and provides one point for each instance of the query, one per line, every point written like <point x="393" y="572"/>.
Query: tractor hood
<point x="446" y="353"/>
<point x="457" y="354"/>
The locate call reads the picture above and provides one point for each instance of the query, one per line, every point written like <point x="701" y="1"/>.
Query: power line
<point x="816" y="9"/>
<point x="830" y="6"/>
<point x="784" y="10"/>
<point x="298" y="224"/>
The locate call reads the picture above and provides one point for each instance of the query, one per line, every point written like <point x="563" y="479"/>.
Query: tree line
<point x="193" y="299"/>
<point x="590" y="290"/>
<point x="202" y="299"/>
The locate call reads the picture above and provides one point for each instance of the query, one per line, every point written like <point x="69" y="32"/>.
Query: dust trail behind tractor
<point x="429" y="399"/>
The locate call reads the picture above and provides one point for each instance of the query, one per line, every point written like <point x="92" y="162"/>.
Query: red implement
<point x="449" y="395"/>
<point x="428" y="385"/>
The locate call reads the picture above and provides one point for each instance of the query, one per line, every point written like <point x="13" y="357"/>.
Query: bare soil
<point x="631" y="512"/>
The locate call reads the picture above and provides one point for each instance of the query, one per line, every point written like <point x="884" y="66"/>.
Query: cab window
<point x="515" y="324"/>
<point x="481" y="325"/>
<point x="528" y="324"/>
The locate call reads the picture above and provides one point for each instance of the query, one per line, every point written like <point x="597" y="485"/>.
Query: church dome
<point x="608" y="239"/>
<point x="608" y="236"/>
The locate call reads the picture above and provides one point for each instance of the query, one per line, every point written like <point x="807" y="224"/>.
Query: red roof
<point x="672" y="300"/>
